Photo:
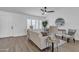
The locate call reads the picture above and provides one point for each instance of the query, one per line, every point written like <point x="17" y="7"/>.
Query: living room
<point x="39" y="29"/>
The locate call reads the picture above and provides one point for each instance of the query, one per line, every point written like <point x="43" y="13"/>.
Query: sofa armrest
<point x="43" y="41"/>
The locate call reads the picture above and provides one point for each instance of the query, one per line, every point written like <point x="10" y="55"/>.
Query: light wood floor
<point x="22" y="44"/>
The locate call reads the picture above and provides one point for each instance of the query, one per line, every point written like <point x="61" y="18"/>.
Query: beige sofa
<point x="39" y="40"/>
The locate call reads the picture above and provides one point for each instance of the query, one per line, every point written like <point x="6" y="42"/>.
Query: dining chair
<point x="53" y="30"/>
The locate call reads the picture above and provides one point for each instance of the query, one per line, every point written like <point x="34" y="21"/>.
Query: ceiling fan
<point x="45" y="11"/>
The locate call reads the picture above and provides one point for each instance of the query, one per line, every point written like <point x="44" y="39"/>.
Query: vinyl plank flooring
<point x="22" y="44"/>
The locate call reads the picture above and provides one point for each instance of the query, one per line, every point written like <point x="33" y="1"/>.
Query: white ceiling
<point x="28" y="10"/>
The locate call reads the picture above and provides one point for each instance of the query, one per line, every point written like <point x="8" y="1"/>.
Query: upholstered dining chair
<point x="28" y="34"/>
<point x="53" y="30"/>
<point x="53" y="39"/>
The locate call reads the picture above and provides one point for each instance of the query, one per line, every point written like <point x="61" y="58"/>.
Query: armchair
<point x="70" y="35"/>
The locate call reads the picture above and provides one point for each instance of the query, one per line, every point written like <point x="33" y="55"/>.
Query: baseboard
<point x="19" y="35"/>
<point x="12" y="36"/>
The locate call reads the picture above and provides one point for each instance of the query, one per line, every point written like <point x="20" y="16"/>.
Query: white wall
<point x="15" y="20"/>
<point x="71" y="17"/>
<point x="19" y="24"/>
<point x="7" y="20"/>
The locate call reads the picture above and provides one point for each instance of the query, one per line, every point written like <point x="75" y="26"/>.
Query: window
<point x="40" y="24"/>
<point x="37" y="24"/>
<point x="28" y="23"/>
<point x="34" y="24"/>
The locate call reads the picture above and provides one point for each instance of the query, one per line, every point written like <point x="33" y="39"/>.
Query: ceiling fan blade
<point x="42" y="10"/>
<point x="50" y="11"/>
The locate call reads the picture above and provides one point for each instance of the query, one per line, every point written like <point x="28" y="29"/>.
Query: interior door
<point x="19" y="25"/>
<point x="5" y="26"/>
<point x="12" y="24"/>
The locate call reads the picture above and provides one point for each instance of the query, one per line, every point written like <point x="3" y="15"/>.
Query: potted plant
<point x="45" y="23"/>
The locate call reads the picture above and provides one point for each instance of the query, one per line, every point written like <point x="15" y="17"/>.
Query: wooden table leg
<point x="52" y="47"/>
<point x="74" y="40"/>
<point x="68" y="40"/>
